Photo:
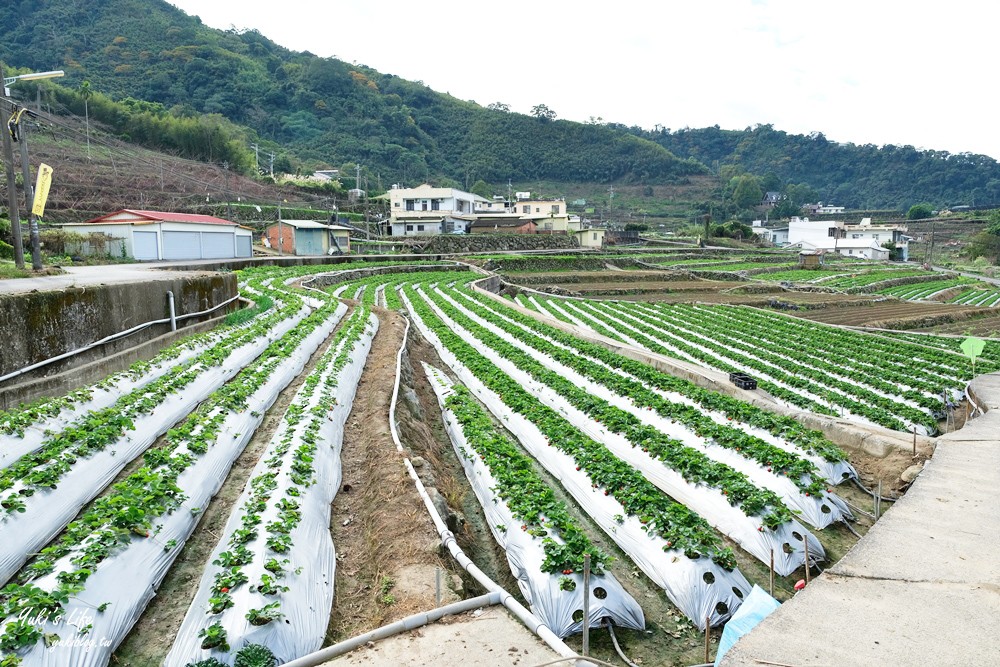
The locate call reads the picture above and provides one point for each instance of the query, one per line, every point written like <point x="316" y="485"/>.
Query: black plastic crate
<point x="743" y="381"/>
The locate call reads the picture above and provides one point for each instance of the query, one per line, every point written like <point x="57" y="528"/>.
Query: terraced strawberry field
<point x="101" y="489"/>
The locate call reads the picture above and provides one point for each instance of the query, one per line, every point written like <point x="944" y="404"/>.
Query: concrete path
<point x="82" y="276"/>
<point x="923" y="586"/>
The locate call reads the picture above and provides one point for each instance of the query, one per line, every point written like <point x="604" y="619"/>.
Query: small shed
<point x="163" y="235"/>
<point x="590" y="238"/>
<point x="503" y="226"/>
<point x="308" y="237"/>
<point x="810" y="259"/>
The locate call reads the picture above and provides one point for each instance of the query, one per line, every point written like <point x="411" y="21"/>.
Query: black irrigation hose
<point x="870" y="492"/>
<point x="856" y="533"/>
<point x="614" y="640"/>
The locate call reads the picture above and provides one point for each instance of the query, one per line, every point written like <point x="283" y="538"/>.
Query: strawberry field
<point x="568" y="447"/>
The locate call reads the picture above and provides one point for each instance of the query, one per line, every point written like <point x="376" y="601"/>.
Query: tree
<point x="482" y="189"/>
<point x="799" y="194"/>
<point x="543" y="112"/>
<point x="747" y="192"/>
<point x="895" y="253"/>
<point x="994" y="223"/>
<point x="499" y="106"/>
<point x="920" y="212"/>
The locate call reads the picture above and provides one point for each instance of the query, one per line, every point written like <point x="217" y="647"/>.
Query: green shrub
<point x="255" y="655"/>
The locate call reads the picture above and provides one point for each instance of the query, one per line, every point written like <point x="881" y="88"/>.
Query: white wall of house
<point x="175" y="240"/>
<point x="427" y="198"/>
<point x="415" y="228"/>
<point x="814" y="232"/>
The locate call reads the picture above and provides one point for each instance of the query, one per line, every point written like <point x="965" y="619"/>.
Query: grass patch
<point x="10" y="270"/>
<point x="262" y="304"/>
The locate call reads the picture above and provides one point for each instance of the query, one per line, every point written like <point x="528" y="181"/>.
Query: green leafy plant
<point x="264" y="615"/>
<point x="255" y="655"/>
<point x="214" y="636"/>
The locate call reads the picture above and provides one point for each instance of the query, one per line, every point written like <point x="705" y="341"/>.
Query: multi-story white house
<point x="854" y="240"/>
<point x="426" y="210"/>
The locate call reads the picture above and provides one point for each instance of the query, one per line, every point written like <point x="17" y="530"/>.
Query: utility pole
<point x="29" y="195"/>
<point x="280" y="239"/>
<point x="8" y="154"/>
<point x="272" y="165"/>
<point x="256" y="157"/>
<point x="611" y="203"/>
<point x="229" y="205"/>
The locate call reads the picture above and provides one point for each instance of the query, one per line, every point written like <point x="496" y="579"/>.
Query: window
<point x="423" y="205"/>
<point x="409" y="205"/>
<point x="538" y="209"/>
<point x="420" y="228"/>
<point x="855" y="236"/>
<point x="435" y="204"/>
<point x="396" y="204"/>
<point x="409" y="228"/>
<point x="555" y="208"/>
<point x="876" y="237"/>
<point x="526" y="209"/>
<point x="595" y="236"/>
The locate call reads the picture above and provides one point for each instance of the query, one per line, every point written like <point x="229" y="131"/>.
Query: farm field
<point x="786" y="355"/>
<point x="897" y="314"/>
<point x="249" y="474"/>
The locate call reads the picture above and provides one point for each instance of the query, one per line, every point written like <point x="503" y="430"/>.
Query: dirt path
<point x="483" y="638"/>
<point x="387" y="549"/>
<point x="151" y="638"/>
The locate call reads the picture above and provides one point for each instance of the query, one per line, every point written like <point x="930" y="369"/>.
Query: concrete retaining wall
<point x="452" y="243"/>
<point x="42" y="325"/>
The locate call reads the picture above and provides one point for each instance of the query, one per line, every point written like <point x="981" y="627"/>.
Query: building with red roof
<point x="164" y="235"/>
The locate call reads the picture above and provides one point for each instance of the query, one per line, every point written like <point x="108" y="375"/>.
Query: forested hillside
<point x="321" y="110"/>
<point x="156" y="76"/>
<point x="865" y="176"/>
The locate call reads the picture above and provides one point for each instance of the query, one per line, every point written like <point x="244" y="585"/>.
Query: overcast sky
<point x="861" y="71"/>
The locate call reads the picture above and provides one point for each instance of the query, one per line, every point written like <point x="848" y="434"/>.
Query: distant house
<point x="163" y="235"/>
<point x="590" y="238"/>
<point x="821" y="208"/>
<point x="862" y="240"/>
<point x="308" y="237"/>
<point x="771" y="198"/>
<point x="326" y="174"/>
<point x="426" y="210"/>
<point x="773" y="235"/>
<point x="503" y="225"/>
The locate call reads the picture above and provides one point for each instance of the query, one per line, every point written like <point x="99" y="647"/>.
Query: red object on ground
<point x="800" y="584"/>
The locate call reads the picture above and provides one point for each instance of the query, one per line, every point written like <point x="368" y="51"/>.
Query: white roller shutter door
<point x="181" y="245"/>
<point x="144" y="245"/>
<point x="243" y="246"/>
<point x="215" y="245"/>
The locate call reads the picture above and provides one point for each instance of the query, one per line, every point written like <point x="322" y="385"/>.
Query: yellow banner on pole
<point x="41" y="189"/>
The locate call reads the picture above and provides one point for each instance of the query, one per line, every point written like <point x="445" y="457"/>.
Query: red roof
<point x="160" y="216"/>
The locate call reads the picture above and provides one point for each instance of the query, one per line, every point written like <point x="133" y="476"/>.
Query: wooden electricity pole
<point x="8" y="157"/>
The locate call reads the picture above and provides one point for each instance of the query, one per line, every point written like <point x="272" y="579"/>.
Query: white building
<point x="862" y="240"/>
<point x="426" y="210"/>
<point x="162" y="235"/>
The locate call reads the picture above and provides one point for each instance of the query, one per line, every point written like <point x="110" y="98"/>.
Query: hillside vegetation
<point x="159" y="77"/>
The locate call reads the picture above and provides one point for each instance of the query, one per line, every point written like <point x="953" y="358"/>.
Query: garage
<point x="145" y="245"/>
<point x="163" y="235"/>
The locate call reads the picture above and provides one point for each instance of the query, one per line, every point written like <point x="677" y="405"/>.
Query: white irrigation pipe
<point x="448" y="538"/>
<point x="409" y="623"/>
<point x="172" y="319"/>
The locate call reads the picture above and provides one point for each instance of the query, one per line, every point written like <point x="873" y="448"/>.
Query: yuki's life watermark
<point x="82" y="620"/>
